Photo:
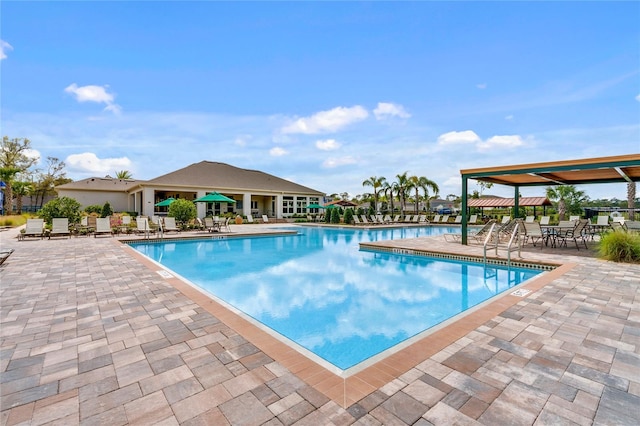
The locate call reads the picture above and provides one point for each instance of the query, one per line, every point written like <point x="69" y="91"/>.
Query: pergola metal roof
<point x="616" y="169"/>
<point x="509" y="202"/>
<point x="621" y="168"/>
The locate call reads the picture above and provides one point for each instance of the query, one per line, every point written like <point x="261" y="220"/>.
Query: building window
<point x="287" y="205"/>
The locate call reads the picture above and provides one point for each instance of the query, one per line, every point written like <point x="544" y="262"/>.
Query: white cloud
<point x="91" y="93"/>
<point x="481" y="86"/>
<point x="638" y="98"/>
<point x="89" y="162"/>
<point x="509" y="117"/>
<point x="454" y="138"/>
<point x="327" y="121"/>
<point x="501" y="142"/>
<point x="331" y="163"/>
<point x="385" y="110"/>
<point x="4" y="46"/>
<point x="327" y="144"/>
<point x="277" y="152"/>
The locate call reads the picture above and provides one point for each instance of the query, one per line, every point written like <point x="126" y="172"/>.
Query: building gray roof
<point x="209" y="174"/>
<point x="102" y="184"/>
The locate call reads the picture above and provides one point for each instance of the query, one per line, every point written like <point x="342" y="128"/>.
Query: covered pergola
<point x="492" y="202"/>
<point x="616" y="169"/>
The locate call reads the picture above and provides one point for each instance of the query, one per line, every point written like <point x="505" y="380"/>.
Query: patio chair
<point x="423" y="219"/>
<point x="103" y="226"/>
<point x="436" y="219"/>
<point x="225" y="225"/>
<point x="143" y="226"/>
<point x="473" y="219"/>
<point x="632" y="225"/>
<point x="265" y="218"/>
<point x="34" y="228"/>
<point x="544" y="220"/>
<point x="578" y="232"/>
<point x="59" y="227"/>
<point x="505" y="219"/>
<point x="574" y="218"/>
<point x="445" y="219"/>
<point x="458" y="219"/>
<point x="249" y="218"/>
<point x="534" y="233"/>
<point x="211" y="225"/>
<point x="170" y="225"/>
<point x="530" y="219"/>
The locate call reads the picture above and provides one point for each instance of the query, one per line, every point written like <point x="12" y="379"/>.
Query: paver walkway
<point x="90" y="335"/>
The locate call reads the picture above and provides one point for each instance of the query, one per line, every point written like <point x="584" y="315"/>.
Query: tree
<point x="21" y="189"/>
<point x="14" y="159"/>
<point x="484" y="185"/>
<point x="403" y="185"/>
<point x="348" y="216"/>
<point x="335" y="215"/>
<point x="378" y="185"/>
<point x="631" y="199"/>
<point x="106" y="210"/>
<point x="183" y="210"/>
<point x="569" y="199"/>
<point x="48" y="179"/>
<point x="424" y="184"/>
<point x="123" y="174"/>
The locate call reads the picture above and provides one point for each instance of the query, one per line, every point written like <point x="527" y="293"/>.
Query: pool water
<point x="322" y="292"/>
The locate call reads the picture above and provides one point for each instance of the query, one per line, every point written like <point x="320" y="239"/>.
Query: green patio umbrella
<point x="315" y="206"/>
<point x="165" y="203"/>
<point x="214" y="197"/>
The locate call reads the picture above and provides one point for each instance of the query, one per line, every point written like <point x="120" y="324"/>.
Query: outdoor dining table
<point x="553" y="231"/>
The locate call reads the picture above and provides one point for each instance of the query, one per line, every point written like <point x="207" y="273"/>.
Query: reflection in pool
<point x="319" y="290"/>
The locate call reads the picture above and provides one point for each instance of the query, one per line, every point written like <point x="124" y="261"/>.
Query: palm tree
<point x="564" y="193"/>
<point x="20" y="189"/>
<point x="123" y="174"/>
<point x="388" y="189"/>
<point x="424" y="184"/>
<point x="402" y="186"/>
<point x="631" y="199"/>
<point x="377" y="183"/>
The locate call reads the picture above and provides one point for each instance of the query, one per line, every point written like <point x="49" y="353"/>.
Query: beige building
<point x="254" y="192"/>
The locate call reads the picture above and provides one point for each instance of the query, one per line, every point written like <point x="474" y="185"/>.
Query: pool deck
<point x="92" y="332"/>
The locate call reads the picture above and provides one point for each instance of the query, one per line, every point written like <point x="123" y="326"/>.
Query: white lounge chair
<point x="436" y="219"/>
<point x="458" y="219"/>
<point x="34" y="228"/>
<point x="170" y="225"/>
<point x="473" y="219"/>
<point x="60" y="227"/>
<point x="265" y="219"/>
<point x="142" y="226"/>
<point x="103" y="226"/>
<point x="530" y="219"/>
<point x="544" y="220"/>
<point x="249" y="218"/>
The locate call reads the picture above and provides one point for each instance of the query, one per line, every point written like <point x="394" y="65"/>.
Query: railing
<point x="495" y="241"/>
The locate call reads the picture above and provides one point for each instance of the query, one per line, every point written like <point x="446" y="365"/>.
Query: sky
<point x="326" y="94"/>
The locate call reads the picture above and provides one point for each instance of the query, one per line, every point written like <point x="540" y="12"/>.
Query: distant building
<point x="254" y="192"/>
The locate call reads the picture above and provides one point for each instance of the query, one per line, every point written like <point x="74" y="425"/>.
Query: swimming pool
<point x="320" y="291"/>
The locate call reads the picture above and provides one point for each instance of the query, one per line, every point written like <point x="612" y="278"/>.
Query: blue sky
<point x="326" y="94"/>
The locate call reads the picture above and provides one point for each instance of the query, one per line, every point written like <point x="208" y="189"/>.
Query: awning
<point x="509" y="202"/>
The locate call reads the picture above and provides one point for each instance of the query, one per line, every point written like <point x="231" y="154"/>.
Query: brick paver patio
<point x="92" y="334"/>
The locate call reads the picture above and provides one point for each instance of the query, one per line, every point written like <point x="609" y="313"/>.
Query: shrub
<point x="348" y="216"/>
<point x="106" y="210"/>
<point x="335" y="215"/>
<point x="327" y="216"/>
<point x="95" y="208"/>
<point x="620" y="246"/>
<point x="182" y="210"/>
<point x="61" y="207"/>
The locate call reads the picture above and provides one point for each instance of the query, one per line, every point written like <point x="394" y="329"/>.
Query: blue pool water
<point x="319" y="290"/>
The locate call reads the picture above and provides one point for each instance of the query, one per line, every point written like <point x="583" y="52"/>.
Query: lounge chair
<point x="529" y="219"/>
<point x="544" y="220"/>
<point x="59" y="227"/>
<point x="249" y="218"/>
<point x="436" y="219"/>
<point x="445" y="219"/>
<point x="574" y="218"/>
<point x="4" y="255"/>
<point x="225" y="225"/>
<point x="265" y="218"/>
<point x="34" y="228"/>
<point x="170" y="225"/>
<point x="505" y="219"/>
<point x="632" y="225"/>
<point x="415" y="218"/>
<point x="473" y="219"/>
<point x="143" y="226"/>
<point x="473" y="235"/>
<point x="396" y="218"/>
<point x="103" y="226"/>
<point x="408" y="218"/>
<point x="458" y="219"/>
<point x="423" y="219"/>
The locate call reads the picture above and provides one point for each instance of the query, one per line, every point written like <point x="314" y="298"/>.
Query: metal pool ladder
<point x="494" y="242"/>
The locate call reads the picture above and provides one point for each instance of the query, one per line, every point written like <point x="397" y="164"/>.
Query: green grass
<point x="620" y="246"/>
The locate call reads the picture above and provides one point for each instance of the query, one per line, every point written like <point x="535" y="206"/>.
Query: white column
<point x="279" y="200"/>
<point x="246" y="204"/>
